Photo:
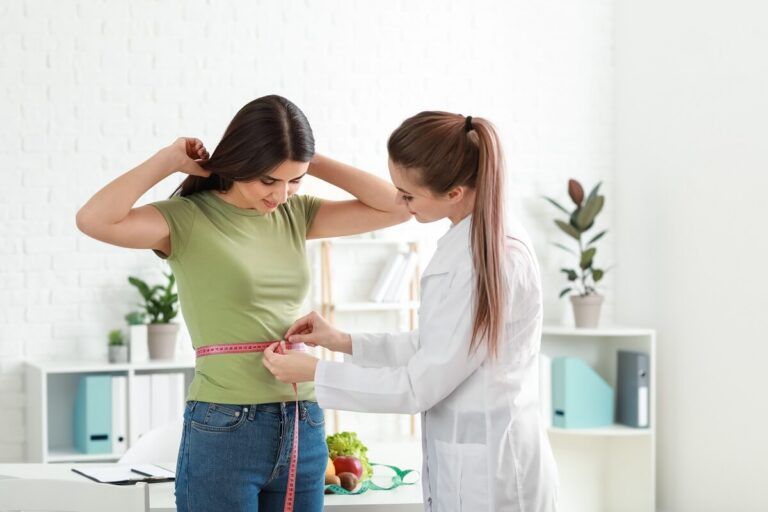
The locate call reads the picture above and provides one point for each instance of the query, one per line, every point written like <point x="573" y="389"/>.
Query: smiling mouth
<point x="270" y="205"/>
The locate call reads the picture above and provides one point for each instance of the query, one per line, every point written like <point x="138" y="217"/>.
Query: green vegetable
<point x="347" y="443"/>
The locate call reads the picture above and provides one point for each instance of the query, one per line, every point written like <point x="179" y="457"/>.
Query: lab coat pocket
<point x="462" y="477"/>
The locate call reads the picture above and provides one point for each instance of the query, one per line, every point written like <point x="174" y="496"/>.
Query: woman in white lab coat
<point x="471" y="369"/>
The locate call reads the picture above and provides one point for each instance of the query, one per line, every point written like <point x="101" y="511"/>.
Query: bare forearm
<point x="113" y="203"/>
<point x="345" y="344"/>
<point x="369" y="189"/>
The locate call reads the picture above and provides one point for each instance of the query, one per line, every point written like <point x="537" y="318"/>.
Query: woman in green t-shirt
<point x="234" y="234"/>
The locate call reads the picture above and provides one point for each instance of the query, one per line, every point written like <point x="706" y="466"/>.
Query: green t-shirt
<point x="242" y="276"/>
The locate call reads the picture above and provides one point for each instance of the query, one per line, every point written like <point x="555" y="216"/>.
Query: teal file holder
<point x="580" y="397"/>
<point x="93" y="415"/>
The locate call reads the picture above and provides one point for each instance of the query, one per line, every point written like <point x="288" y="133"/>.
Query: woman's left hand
<point x="291" y="365"/>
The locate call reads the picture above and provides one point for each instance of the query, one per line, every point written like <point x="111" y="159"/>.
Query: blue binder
<point x="93" y="414"/>
<point x="580" y="397"/>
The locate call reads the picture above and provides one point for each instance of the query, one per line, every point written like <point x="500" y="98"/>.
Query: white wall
<point x="690" y="207"/>
<point x="89" y="89"/>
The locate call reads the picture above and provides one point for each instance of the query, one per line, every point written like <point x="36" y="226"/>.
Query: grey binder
<point x="633" y="389"/>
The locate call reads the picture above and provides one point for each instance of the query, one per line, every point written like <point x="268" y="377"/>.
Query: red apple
<point x="345" y="464"/>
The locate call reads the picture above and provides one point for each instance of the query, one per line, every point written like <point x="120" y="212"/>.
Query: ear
<point x="455" y="195"/>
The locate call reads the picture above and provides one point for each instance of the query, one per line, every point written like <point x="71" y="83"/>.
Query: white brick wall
<point x="91" y="88"/>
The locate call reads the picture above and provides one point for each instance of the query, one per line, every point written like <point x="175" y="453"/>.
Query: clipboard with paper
<point x="125" y="474"/>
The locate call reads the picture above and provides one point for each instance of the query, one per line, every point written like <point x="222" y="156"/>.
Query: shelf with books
<point x="53" y="388"/>
<point x="610" y="467"/>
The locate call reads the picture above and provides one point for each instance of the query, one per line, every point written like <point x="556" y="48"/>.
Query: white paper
<point x="123" y="472"/>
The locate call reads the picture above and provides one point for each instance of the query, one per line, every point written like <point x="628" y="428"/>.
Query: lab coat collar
<point x="458" y="233"/>
<point x="452" y="248"/>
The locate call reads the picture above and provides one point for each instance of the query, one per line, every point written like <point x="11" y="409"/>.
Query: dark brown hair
<point x="444" y="151"/>
<point x="263" y="134"/>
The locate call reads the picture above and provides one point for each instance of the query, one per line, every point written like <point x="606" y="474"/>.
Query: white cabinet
<point x="51" y="391"/>
<point x="610" y="469"/>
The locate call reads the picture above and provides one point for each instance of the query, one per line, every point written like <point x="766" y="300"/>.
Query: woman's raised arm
<point x="375" y="206"/>
<point x="109" y="215"/>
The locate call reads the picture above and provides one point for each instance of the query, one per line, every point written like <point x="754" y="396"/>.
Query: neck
<point x="463" y="209"/>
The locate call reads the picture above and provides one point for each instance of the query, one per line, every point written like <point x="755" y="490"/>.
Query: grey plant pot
<point x="586" y="310"/>
<point x="161" y="340"/>
<point x="118" y="353"/>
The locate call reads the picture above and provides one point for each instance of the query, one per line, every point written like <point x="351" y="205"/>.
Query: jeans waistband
<point x="271" y="407"/>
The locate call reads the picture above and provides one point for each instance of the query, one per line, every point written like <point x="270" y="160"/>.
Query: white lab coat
<point x="483" y="442"/>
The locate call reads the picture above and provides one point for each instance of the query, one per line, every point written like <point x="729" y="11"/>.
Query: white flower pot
<point x="586" y="310"/>
<point x="118" y="353"/>
<point x="162" y="340"/>
<point x="137" y="339"/>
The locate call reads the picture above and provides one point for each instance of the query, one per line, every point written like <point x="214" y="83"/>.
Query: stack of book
<point x="392" y="285"/>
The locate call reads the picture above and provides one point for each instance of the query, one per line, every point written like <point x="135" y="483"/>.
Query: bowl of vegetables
<point x="348" y="464"/>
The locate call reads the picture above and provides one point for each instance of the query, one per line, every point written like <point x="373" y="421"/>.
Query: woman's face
<point x="422" y="203"/>
<point x="268" y="192"/>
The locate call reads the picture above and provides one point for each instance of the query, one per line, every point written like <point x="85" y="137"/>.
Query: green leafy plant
<point x="161" y="303"/>
<point x="136" y="318"/>
<point x="585" y="276"/>
<point x="116" y="338"/>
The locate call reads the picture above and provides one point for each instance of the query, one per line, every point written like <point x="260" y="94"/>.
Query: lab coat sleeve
<point x="379" y="350"/>
<point x="523" y="330"/>
<point x="431" y="373"/>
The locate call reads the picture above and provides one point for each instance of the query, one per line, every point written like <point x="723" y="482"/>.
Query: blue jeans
<point x="236" y="457"/>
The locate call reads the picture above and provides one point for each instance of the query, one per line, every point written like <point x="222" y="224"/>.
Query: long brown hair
<point x="262" y="135"/>
<point x="444" y="151"/>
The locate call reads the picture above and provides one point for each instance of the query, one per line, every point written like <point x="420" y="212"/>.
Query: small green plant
<point x="136" y="318"/>
<point x="116" y="338"/>
<point x="161" y="304"/>
<point x="586" y="275"/>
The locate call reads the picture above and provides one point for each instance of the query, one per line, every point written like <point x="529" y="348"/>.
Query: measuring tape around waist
<point x="239" y="348"/>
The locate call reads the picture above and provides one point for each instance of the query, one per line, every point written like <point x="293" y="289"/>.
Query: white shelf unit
<point x="51" y="391"/>
<point x="613" y="468"/>
<point x="330" y="307"/>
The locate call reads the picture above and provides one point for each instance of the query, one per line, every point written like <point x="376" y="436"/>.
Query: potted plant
<point x="118" y="350"/>
<point x="585" y="275"/>
<point x="161" y="306"/>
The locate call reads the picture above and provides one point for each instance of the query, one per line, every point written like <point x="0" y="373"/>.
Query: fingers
<point x="304" y="331"/>
<point x="195" y="149"/>
<point x="196" y="170"/>
<point x="271" y="363"/>
<point x="299" y="338"/>
<point x="270" y="359"/>
<point x="299" y="325"/>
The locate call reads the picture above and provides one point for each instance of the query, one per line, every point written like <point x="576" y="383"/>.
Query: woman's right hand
<point x="314" y="330"/>
<point x="189" y="153"/>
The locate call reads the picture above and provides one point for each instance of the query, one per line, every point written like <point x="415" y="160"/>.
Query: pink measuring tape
<point x="238" y="348"/>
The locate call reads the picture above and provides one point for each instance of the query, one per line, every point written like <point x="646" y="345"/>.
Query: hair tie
<point x="468" y="124"/>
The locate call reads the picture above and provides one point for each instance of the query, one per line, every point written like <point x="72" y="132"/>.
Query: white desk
<point x="403" y="499"/>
